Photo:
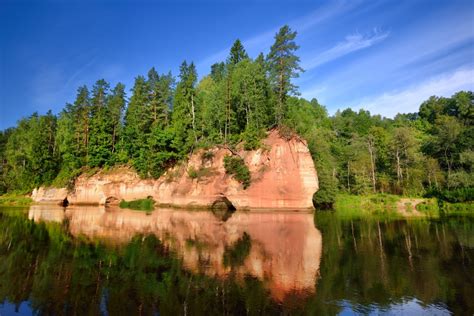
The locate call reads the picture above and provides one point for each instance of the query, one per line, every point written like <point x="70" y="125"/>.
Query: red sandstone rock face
<point x="49" y="195"/>
<point x="283" y="177"/>
<point x="285" y="251"/>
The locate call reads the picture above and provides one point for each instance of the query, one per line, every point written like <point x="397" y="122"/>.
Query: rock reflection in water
<point x="285" y="247"/>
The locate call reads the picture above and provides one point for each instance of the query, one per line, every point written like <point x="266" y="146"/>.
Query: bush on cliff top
<point x="236" y="167"/>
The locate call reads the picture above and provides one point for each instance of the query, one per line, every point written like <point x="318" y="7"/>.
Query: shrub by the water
<point x="429" y="207"/>
<point x="236" y="167"/>
<point x="453" y="196"/>
<point x="141" y="205"/>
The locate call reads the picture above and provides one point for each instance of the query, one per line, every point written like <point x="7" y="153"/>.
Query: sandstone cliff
<point x="282" y="172"/>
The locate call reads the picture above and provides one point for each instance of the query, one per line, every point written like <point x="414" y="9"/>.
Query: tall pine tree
<point x="283" y="65"/>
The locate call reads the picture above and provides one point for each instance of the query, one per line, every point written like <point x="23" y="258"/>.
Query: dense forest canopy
<point x="165" y="118"/>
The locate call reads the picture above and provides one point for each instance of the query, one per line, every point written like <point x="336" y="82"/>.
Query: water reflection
<point x="284" y="249"/>
<point x="90" y="260"/>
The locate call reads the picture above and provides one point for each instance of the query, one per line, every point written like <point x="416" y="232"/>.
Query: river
<point x="110" y="261"/>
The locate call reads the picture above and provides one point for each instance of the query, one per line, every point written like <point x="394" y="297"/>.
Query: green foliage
<point x="163" y="122"/>
<point x="454" y="195"/>
<point x="429" y="207"/>
<point x="283" y="65"/>
<point x="460" y="208"/>
<point x="237" y="53"/>
<point x="207" y="156"/>
<point x="12" y="199"/>
<point x="192" y="173"/>
<point x="147" y="204"/>
<point x="236" y="167"/>
<point x="199" y="173"/>
<point x="354" y="206"/>
<point x="252" y="138"/>
<point x="325" y="197"/>
<point x="30" y="153"/>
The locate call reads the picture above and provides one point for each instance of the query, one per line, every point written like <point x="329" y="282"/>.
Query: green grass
<point x="140" y="205"/>
<point x="12" y="199"/>
<point x="364" y="205"/>
<point x="357" y="206"/>
<point x="457" y="208"/>
<point x="429" y="207"/>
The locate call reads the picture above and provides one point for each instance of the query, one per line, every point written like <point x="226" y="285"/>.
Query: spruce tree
<point x="116" y="106"/>
<point x="218" y="71"/>
<point x="160" y="97"/>
<point x="185" y="109"/>
<point x="101" y="126"/>
<point x="137" y="126"/>
<point x="81" y="113"/>
<point x="237" y="53"/>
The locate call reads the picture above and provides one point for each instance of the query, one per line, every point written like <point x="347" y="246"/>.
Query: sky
<point x="383" y="56"/>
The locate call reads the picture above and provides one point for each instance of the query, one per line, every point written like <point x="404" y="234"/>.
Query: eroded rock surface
<point x="283" y="177"/>
<point x="50" y="195"/>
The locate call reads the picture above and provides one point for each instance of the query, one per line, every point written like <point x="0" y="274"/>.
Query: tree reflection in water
<point x="98" y="261"/>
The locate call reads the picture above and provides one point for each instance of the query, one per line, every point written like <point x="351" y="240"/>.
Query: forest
<point x="163" y="119"/>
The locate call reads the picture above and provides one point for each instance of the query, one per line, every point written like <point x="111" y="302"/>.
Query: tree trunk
<point x="227" y="112"/>
<point x="447" y="163"/>
<point x="194" y="117"/>
<point x="372" y="163"/>
<point x="399" y="170"/>
<point x="348" y="179"/>
<point x="280" y="94"/>
<point x="113" y="139"/>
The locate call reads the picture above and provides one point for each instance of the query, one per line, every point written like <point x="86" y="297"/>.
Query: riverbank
<point x="396" y="206"/>
<point x="12" y="199"/>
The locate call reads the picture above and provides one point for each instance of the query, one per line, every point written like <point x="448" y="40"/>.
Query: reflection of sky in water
<point x="407" y="307"/>
<point x="371" y="266"/>
<point x="7" y="309"/>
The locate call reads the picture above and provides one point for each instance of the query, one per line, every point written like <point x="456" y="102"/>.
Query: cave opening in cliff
<point x="223" y="208"/>
<point x="64" y="202"/>
<point x="111" y="200"/>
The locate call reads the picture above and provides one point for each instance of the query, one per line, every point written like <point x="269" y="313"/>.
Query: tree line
<point x="430" y="152"/>
<point x="166" y="118"/>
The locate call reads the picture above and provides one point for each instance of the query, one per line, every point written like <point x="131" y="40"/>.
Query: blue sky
<point x="384" y="56"/>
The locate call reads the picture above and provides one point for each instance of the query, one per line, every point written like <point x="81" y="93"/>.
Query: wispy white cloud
<point x="55" y="83"/>
<point x="433" y="49"/>
<point x="45" y="86"/>
<point x="351" y="43"/>
<point x="409" y="99"/>
<point x="262" y="41"/>
<point x="81" y="70"/>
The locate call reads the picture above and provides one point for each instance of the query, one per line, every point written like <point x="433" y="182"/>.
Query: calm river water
<point x="106" y="261"/>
